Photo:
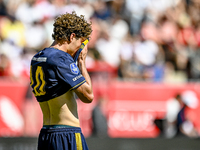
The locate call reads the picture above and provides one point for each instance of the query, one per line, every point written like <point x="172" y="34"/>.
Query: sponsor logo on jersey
<point x="77" y="77"/>
<point x="74" y="68"/>
<point x="41" y="59"/>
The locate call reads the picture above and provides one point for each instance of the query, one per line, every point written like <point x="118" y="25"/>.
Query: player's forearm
<point x="87" y="92"/>
<point x="84" y="72"/>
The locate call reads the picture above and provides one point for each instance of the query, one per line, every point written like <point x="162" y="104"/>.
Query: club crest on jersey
<point x="74" y="68"/>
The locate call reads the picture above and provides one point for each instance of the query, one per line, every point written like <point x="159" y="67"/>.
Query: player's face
<point x="78" y="42"/>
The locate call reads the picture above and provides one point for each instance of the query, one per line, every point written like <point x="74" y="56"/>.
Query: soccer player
<point x="56" y="77"/>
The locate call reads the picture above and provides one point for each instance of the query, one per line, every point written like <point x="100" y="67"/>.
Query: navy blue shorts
<point x="61" y="138"/>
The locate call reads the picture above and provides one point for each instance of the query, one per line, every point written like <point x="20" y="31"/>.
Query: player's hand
<point x="82" y="55"/>
<point x="80" y="49"/>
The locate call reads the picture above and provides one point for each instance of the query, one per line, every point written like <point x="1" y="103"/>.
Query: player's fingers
<point x="85" y="50"/>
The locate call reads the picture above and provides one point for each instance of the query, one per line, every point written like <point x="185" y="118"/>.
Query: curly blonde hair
<point x="67" y="24"/>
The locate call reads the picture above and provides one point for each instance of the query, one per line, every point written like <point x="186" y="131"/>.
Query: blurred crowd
<point x="144" y="40"/>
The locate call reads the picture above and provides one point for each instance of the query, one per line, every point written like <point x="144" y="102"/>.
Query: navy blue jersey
<point x="53" y="73"/>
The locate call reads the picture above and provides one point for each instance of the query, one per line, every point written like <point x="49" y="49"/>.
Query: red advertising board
<point x="12" y="95"/>
<point x="133" y="107"/>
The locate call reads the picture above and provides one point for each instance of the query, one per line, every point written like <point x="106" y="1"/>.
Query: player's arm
<point x="84" y="92"/>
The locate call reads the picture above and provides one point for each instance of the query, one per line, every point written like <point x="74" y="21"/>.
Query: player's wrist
<point x="81" y="65"/>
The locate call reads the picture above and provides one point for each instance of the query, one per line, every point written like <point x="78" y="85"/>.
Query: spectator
<point x="3" y="9"/>
<point x="99" y="119"/>
<point x="184" y="125"/>
<point x="178" y="123"/>
<point x="171" y="25"/>
<point x="173" y="107"/>
<point x="5" y="70"/>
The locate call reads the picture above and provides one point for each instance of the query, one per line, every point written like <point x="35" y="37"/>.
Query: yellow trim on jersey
<point x="78" y="141"/>
<point x="31" y="78"/>
<point x="39" y="73"/>
<point x="84" y="43"/>
<point x="77" y="85"/>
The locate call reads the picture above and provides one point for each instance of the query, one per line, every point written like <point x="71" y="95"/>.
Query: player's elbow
<point x="89" y="98"/>
<point x="84" y="95"/>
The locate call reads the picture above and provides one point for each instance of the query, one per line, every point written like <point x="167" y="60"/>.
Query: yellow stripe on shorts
<point x="78" y="141"/>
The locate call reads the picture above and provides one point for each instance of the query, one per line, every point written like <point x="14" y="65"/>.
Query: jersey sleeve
<point x="68" y="71"/>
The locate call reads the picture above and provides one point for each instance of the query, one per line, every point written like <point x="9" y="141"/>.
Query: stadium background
<point x="141" y="54"/>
